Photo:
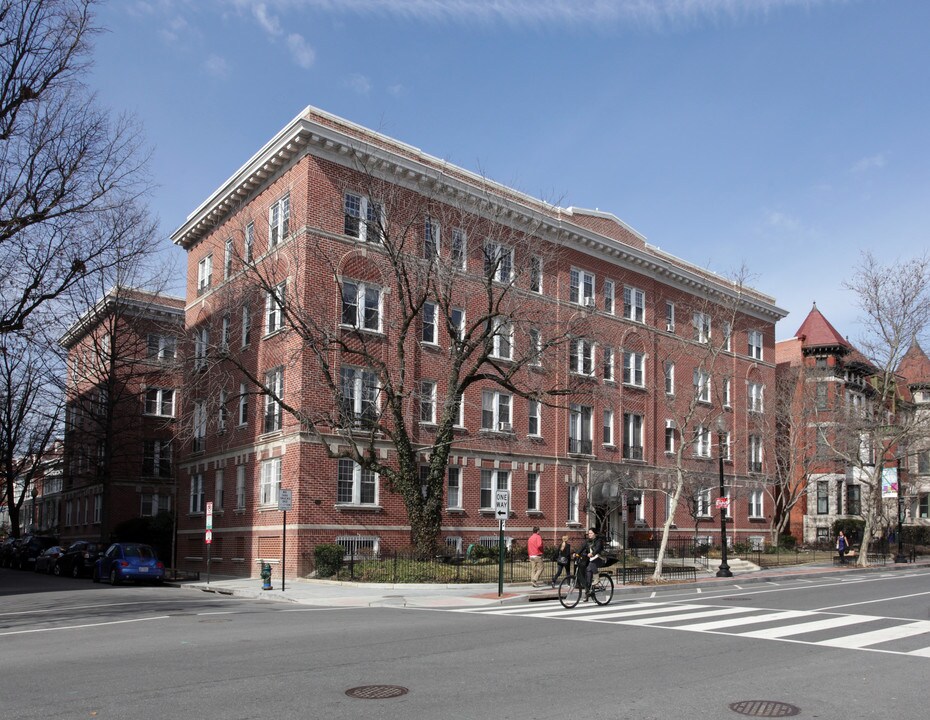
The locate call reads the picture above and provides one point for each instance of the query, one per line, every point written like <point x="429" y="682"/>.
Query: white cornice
<point x="134" y="303"/>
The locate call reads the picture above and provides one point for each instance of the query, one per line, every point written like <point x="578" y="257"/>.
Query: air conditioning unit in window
<point x="505" y="427"/>
<point x="589" y="302"/>
<point x="670" y="327"/>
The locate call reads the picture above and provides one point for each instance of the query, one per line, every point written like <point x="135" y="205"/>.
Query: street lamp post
<point x="900" y="557"/>
<point x="724" y="570"/>
<point x="35" y="494"/>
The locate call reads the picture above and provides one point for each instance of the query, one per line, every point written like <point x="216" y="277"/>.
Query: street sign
<point x="209" y="537"/>
<point x="502" y="504"/>
<point x="284" y="500"/>
<point x="209" y="516"/>
<point x="723" y="503"/>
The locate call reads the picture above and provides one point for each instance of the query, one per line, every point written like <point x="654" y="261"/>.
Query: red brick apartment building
<point x="607" y="356"/>
<point x="122" y="398"/>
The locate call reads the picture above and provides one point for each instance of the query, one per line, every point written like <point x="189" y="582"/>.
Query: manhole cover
<point x="764" y="708"/>
<point x="376" y="692"/>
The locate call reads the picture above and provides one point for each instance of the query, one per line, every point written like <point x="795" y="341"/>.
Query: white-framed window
<point x="534" y="423"/>
<point x="669" y="436"/>
<point x="669" y="377"/>
<point x="219" y="494"/>
<point x="608" y="427"/>
<point x="204" y="274"/>
<point x="201" y="344"/>
<point x="581" y="356"/>
<point x="727" y="335"/>
<point x="279" y="218"/>
<point x="240" y="487"/>
<point x="755" y="344"/>
<point x="227" y="259"/>
<point x="431" y="235"/>
<point x="669" y="316"/>
<point x="755" y="394"/>
<point x="243" y="404"/>
<point x="498" y="262"/>
<point x="726" y="392"/>
<point x="536" y="347"/>
<point x="152" y="503"/>
<point x="156" y="458"/>
<point x="702" y="385"/>
<point x="454" y="487"/>
<point x="634" y="368"/>
<point x="581" y="287"/>
<point x="573" y="503"/>
<point x="532" y="491"/>
<point x="361" y="305"/>
<point x="502" y="339"/>
<point x="274" y="308"/>
<point x="159" y="401"/>
<point x="580" y="418"/>
<point x="161" y="347"/>
<point x="356" y="485"/>
<point x="428" y="402"/>
<point x="755" y="454"/>
<point x="608" y="357"/>
<point x="634" y="304"/>
<point x="458" y="251"/>
<point x="701" y="327"/>
<point x="536" y="274"/>
<point x="364" y="218"/>
<point x="495" y="411"/>
<point x="491" y="482"/>
<point x="702" y="500"/>
<point x="359" y="396"/>
<point x="609" y="299"/>
<point x="269" y="482"/>
<point x="702" y="441"/>
<point x="246" y="327"/>
<point x="457" y="320"/>
<point x="224" y="334"/>
<point x="756" y="508"/>
<point x="196" y="497"/>
<point x="633" y="436"/>
<point x="428" y="317"/>
<point x="98" y="508"/>
<point x="459" y="412"/>
<point x="274" y="390"/>
<point x="199" y="425"/>
<point x="249" y="249"/>
<point x="222" y="413"/>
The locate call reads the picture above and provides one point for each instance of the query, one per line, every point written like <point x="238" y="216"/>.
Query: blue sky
<point x="786" y="134"/>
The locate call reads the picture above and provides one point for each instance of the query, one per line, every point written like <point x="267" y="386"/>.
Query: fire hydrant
<point x="266" y="575"/>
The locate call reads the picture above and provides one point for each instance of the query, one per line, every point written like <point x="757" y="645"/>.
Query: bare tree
<point x="71" y="177"/>
<point x="411" y="307"/>
<point x="29" y="411"/>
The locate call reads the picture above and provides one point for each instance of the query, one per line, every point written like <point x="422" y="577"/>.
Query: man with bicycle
<point x="591" y="552"/>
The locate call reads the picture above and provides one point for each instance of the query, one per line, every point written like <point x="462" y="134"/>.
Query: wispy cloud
<point x="216" y="66"/>
<point x="360" y="84"/>
<point x="301" y="52"/>
<point x="872" y="162"/>
<point x="781" y="221"/>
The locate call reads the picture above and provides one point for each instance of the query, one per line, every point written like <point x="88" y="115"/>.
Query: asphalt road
<point x="849" y="646"/>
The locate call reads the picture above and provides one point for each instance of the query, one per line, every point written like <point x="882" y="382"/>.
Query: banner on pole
<point x="890" y="482"/>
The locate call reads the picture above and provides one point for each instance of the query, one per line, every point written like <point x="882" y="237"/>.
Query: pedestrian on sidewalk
<point x="842" y="545"/>
<point x="563" y="560"/>
<point x="534" y="548"/>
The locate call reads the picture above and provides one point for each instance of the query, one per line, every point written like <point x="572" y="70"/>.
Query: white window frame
<point x="581" y="357"/>
<point x="219" y="492"/>
<point x="702" y="327"/>
<point x="249" y="243"/>
<point x="224" y="334"/>
<point x="269" y="483"/>
<point x="608" y="363"/>
<point x="727" y="335"/>
<point x="534" y="418"/>
<point x="669" y="316"/>
<point x="158" y="452"/>
<point x="457" y="319"/>
<point x="502" y="339"/>
<point x="430" y="332"/>
<point x="726" y="393"/>
<point x="432" y="238"/>
<point x="274" y="308"/>
<point x="498" y="260"/>
<point x="536" y="274"/>
<point x="754" y="341"/>
<point x="634" y="368"/>
<point x="361" y="303"/>
<point x="669" y="437"/>
<point x="755" y="394"/>
<point x="199" y="425"/>
<point x="279" y="217"/>
<point x="607" y="432"/>
<point x="454" y="487"/>
<point x="196" y="495"/>
<point x="757" y="503"/>
<point x="358" y="478"/>
<point x="427" y="402"/>
<point x="222" y="413"/>
<point x="580" y="428"/>
<point x="532" y="492"/>
<point x="581" y="287"/>
<point x="573" y="503"/>
<point x="609" y="297"/>
<point x="755" y="454"/>
<point x="369" y="229"/>
<point x="240" y="487"/>
<point x="496" y="409"/>
<point x="204" y="274"/>
<point x="243" y="405"/>
<point x="458" y="249"/>
<point x="159" y="402"/>
<point x="702" y="389"/>
<point x="227" y="258"/>
<point x="703" y="503"/>
<point x="273" y="416"/>
<point x="669" y="377"/>
<point x="702" y="441"/>
<point x="159" y="347"/>
<point x="634" y="304"/>
<point x="201" y="345"/>
<point x="492" y="480"/>
<point x="246" y="327"/>
<point x="634" y="436"/>
<point x="360" y="388"/>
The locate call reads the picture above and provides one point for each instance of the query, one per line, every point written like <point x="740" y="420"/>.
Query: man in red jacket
<point x="534" y="548"/>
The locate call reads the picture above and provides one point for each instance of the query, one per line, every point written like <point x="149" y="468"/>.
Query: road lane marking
<point x="219" y="612"/>
<point x="688" y="616"/>
<point x="870" y="602"/>
<point x="875" y="637"/>
<point x="735" y="622"/>
<point x="88" y="625"/>
<point x="806" y="627"/>
<point x="100" y="605"/>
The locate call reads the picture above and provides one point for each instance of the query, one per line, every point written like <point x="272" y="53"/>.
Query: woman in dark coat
<point x="563" y="559"/>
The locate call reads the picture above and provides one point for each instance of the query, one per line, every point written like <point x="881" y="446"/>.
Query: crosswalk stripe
<point x="922" y="652"/>
<point x="715" y="612"/>
<point x="878" y="636"/>
<point x="755" y="619"/>
<point x="806" y="627"/>
<point x="614" y="614"/>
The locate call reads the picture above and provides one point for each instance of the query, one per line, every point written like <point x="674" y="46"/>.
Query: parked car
<point x="79" y="559"/>
<point x="47" y="558"/>
<point x="6" y="551"/>
<point x="25" y="554"/>
<point x="129" y="561"/>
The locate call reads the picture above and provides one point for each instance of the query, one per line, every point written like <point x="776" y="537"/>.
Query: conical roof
<point x="915" y="366"/>
<point x="817" y="332"/>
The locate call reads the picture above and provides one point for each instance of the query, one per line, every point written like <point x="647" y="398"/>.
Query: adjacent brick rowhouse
<point x="301" y="214"/>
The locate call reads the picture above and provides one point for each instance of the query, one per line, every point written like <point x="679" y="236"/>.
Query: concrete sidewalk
<point x="329" y="593"/>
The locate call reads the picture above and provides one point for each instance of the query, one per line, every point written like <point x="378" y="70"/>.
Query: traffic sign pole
<point x="208" y="537"/>
<point x="285" y="500"/>
<point x="501" y="511"/>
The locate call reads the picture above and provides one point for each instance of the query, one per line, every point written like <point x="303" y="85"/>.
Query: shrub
<point x="788" y="542"/>
<point x="327" y="559"/>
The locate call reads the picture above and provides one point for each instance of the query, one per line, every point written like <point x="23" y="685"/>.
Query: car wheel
<point x="75" y="571"/>
<point x="56" y="570"/>
<point x="114" y="577"/>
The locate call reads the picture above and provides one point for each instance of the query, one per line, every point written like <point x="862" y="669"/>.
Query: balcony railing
<point x="633" y="452"/>
<point x="578" y="446"/>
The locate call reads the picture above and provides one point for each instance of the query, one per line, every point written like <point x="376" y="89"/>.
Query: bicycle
<point x="570" y="589"/>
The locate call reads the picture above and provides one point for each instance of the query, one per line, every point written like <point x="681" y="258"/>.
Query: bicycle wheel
<point x="603" y="590"/>
<point x="569" y="593"/>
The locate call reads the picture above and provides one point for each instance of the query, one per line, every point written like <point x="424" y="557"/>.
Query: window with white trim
<point x="534" y="425"/>
<point x="495" y="411"/>
<point x="701" y="323"/>
<point x="532" y="492"/>
<point x="243" y="405"/>
<point x="159" y="401"/>
<point x="454" y="488"/>
<point x="204" y="274"/>
<point x="669" y="436"/>
<point x="246" y="327"/>
<point x="756" y="509"/>
<point x="431" y="233"/>
<point x="669" y="316"/>
<point x="356" y="485"/>
<point x="428" y="402"/>
<point x="609" y="296"/>
<point x="669" y="377"/>
<point x="491" y="482"/>
<point x="151" y="505"/>
<point x="428" y="318"/>
<point x="199" y="425"/>
<point x="581" y="287"/>
<point x="156" y="458"/>
<point x="196" y="496"/>
<point x="224" y="334"/>
<point x="608" y="356"/>
<point x="359" y="397"/>
<point x="201" y="344"/>
<point x="219" y="495"/>
<point x="755" y="454"/>
<point x="274" y="308"/>
<point x="498" y="262"/>
<point x="458" y="252"/>
<point x="162" y="347"/>
<point x="98" y="508"/>
<point x="361" y="305"/>
<point x="727" y="336"/>
<point x="536" y="274"/>
<point x="634" y="304"/>
<point x="240" y="487"/>
<point x="702" y="501"/>
<point x="702" y="441"/>
<point x="274" y="390"/>
<point x="222" y="413"/>
<point x="702" y="385"/>
<point x="580" y="419"/>
<point x="581" y="356"/>
<point x="726" y="392"/>
<point x="608" y="428"/>
<point x="754" y="392"/>
<point x="573" y="503"/>
<point x="502" y="339"/>
<point x="227" y="259"/>
<point x="269" y="482"/>
<point x="536" y="347"/>
<point x="357" y="207"/>
<point x="457" y="321"/>
<point x="634" y="368"/>
<point x="633" y="436"/>
<point x="755" y="344"/>
<point x="249" y="253"/>
<point x="279" y="218"/>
